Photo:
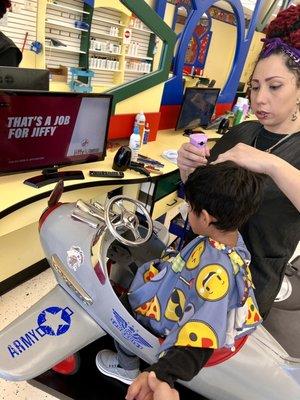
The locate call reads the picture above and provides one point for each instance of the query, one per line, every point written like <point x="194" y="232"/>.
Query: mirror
<point x="122" y="48"/>
<point x="97" y="49"/>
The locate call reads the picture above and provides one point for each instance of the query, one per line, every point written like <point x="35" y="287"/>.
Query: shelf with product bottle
<point x="104" y="64"/>
<point x="135" y="66"/>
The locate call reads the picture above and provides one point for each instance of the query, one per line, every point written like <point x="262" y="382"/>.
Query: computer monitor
<point x="24" y="78"/>
<point x="46" y="129"/>
<point x="197" y="107"/>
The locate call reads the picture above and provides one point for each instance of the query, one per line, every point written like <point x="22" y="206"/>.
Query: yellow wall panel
<point x="221" y="52"/>
<point x="147" y="101"/>
<point x="28" y="60"/>
<point x="252" y="56"/>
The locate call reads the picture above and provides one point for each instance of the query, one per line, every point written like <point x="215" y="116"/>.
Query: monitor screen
<point x="43" y="129"/>
<point x="197" y="107"/>
<point x="24" y="78"/>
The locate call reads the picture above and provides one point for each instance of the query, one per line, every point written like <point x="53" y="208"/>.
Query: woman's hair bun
<point x="286" y="26"/>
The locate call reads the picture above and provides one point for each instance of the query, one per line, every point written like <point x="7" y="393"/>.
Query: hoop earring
<point x="295" y="114"/>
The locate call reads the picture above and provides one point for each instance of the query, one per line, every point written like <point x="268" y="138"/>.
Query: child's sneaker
<point x="107" y="363"/>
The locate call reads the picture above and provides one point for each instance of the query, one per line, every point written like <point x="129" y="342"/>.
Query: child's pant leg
<point x="127" y="359"/>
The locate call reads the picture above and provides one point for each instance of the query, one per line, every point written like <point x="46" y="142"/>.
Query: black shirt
<point x="10" y="54"/>
<point x="273" y="232"/>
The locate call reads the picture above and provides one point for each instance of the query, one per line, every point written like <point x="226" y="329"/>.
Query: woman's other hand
<point x="247" y="157"/>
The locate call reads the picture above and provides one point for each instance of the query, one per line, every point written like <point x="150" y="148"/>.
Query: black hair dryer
<point x="122" y="159"/>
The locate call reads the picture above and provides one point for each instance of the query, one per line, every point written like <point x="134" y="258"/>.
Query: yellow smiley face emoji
<point x="197" y="334"/>
<point x="212" y="282"/>
<point x="175" y="306"/>
<point x="194" y="259"/>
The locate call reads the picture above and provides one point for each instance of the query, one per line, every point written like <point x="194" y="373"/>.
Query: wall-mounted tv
<point x="197" y="107"/>
<point x="46" y="129"/>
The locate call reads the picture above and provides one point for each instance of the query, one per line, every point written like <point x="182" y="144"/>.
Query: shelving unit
<point x="104" y="22"/>
<point x="60" y="25"/>
<point x="137" y="60"/>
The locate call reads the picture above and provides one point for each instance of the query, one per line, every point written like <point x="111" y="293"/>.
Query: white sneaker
<point x="107" y="363"/>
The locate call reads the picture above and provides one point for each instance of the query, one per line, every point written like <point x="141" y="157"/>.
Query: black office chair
<point x="212" y="83"/>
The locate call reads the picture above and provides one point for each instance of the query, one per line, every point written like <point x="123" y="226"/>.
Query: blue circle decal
<point x="54" y="321"/>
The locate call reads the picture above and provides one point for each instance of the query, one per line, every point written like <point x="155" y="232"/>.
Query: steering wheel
<point x="123" y="218"/>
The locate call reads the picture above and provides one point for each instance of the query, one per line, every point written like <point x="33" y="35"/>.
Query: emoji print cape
<point x="201" y="298"/>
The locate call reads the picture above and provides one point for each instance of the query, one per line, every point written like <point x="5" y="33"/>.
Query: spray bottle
<point x="135" y="143"/>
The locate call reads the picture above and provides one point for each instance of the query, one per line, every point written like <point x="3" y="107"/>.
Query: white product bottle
<point x="135" y="143"/>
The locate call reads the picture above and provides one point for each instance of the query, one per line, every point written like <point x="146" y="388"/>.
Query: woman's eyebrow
<point x="268" y="79"/>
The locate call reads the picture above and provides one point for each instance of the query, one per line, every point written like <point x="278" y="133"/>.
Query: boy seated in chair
<point x="199" y="300"/>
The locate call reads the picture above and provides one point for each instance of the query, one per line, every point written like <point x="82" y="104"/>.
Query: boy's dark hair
<point x="226" y="191"/>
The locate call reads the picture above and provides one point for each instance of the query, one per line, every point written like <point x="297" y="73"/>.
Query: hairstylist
<point x="271" y="234"/>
